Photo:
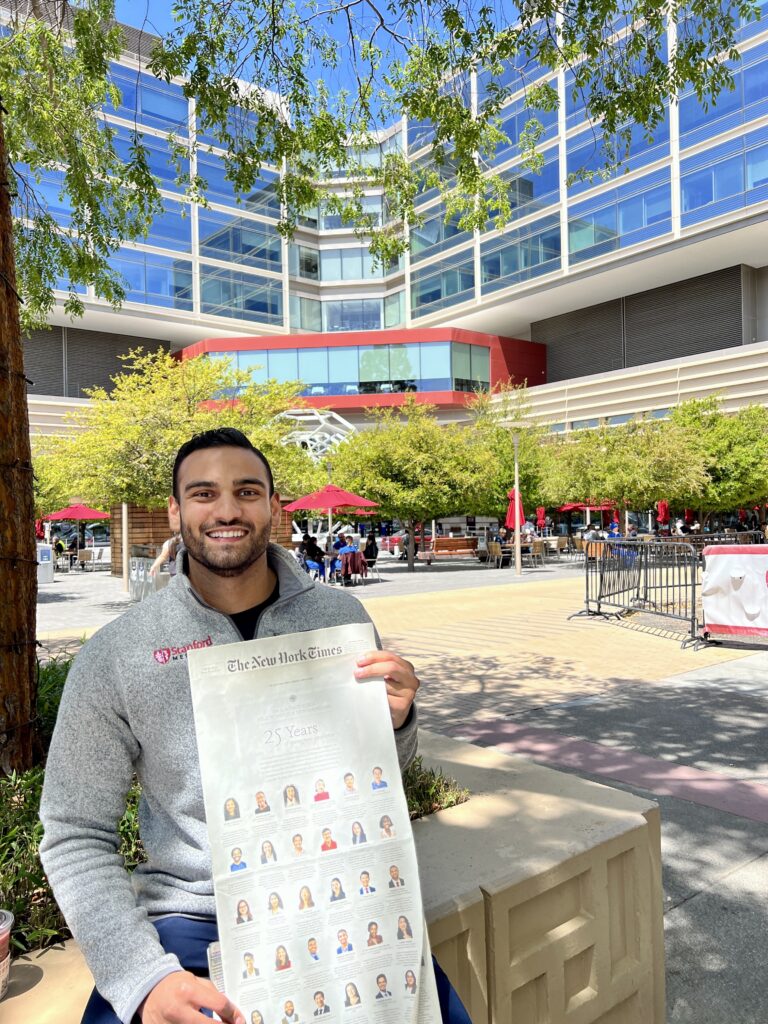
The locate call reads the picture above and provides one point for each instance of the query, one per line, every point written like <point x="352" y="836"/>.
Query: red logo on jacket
<point x="165" y="654"/>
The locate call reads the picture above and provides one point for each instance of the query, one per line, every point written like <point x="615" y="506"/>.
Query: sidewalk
<point x="502" y="664"/>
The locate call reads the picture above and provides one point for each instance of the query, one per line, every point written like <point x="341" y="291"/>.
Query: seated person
<point x="314" y="558"/>
<point x="349" y="546"/>
<point x="371" y="550"/>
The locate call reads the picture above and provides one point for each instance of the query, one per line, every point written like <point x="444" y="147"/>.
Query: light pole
<point x="518" y="553"/>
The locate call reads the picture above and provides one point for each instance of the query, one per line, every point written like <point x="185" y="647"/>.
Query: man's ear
<point x="277" y="511"/>
<point x="174" y="515"/>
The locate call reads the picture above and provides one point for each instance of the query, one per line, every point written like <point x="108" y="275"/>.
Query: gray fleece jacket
<point x="126" y="708"/>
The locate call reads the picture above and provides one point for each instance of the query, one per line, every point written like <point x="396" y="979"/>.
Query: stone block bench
<point x="542" y="896"/>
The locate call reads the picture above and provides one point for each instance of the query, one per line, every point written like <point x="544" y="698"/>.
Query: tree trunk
<point x="411" y="545"/>
<point x="18" y="561"/>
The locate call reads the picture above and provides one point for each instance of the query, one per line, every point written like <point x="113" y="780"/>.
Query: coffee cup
<point x="6" y="923"/>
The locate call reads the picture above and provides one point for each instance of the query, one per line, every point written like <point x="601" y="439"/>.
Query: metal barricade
<point x="654" y="576"/>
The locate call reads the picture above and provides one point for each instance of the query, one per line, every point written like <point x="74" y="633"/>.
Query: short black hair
<point x="220" y="437"/>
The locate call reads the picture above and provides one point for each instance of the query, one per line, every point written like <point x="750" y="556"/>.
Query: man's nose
<point x="228" y="507"/>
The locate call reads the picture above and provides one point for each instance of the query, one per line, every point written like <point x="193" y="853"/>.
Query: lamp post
<point x="518" y="553"/>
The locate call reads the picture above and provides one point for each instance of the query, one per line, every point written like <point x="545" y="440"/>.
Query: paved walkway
<point x="503" y="664"/>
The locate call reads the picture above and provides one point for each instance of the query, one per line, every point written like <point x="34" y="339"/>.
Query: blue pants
<point x="189" y="940"/>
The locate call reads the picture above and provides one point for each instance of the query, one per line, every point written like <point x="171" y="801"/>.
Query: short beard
<point x="199" y="551"/>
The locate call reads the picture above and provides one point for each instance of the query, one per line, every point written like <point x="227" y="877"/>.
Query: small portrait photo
<point x="274" y="904"/>
<point x="243" y="912"/>
<point x="238" y="864"/>
<point x="345" y="946"/>
<point x="366" y="889"/>
<point x="382" y="992"/>
<point x="256" y="1017"/>
<point x="231" y="809"/>
<point x="410" y="983"/>
<point x="262" y="804"/>
<point x="291" y="796"/>
<point x="282" y="960"/>
<point x="268" y="855"/>
<point x="404" y="930"/>
<point x="378" y="782"/>
<point x="386" y="826"/>
<point x="321" y="1006"/>
<point x="350" y="789"/>
<point x="312" y="949"/>
<point x="395" y="881"/>
<point x="351" y="995"/>
<point x="358" y="833"/>
<point x="305" y="898"/>
<point x="289" y="1013"/>
<point x="337" y="890"/>
<point x="328" y="843"/>
<point x="250" y="970"/>
<point x="297" y="842"/>
<point x="321" y="793"/>
<point x="374" y="939"/>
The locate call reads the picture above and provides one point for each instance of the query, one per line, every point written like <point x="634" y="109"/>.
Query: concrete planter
<point x="543" y="893"/>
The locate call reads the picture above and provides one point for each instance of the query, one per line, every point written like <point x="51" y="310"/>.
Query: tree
<point x="495" y="419"/>
<point x="632" y="465"/>
<point x="415" y="468"/>
<point x="734" y="450"/>
<point x="128" y="438"/>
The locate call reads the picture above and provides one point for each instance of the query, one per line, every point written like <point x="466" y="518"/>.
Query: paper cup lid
<point x="6" y="920"/>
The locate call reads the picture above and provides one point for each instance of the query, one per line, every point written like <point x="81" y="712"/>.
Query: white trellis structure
<point x="317" y="431"/>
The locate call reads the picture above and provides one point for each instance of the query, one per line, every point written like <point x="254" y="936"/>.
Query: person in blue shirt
<point x="348" y="547"/>
<point x="378" y="782"/>
<point x="238" y="864"/>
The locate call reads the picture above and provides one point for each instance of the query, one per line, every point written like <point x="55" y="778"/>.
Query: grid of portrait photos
<point x="321" y="899"/>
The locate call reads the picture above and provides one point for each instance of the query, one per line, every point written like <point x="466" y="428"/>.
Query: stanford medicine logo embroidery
<point x="165" y="654"/>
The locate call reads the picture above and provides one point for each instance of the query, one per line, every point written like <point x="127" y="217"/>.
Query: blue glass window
<point x="305" y="313"/>
<point x="313" y="370"/>
<point x="255" y="363"/>
<point x="149" y="101"/>
<point x="420" y="133"/>
<point x="233" y="293"/>
<point x="436" y="366"/>
<point x="520" y="255"/>
<point x="623" y="216"/>
<point x="50" y="191"/>
<point x="263" y="199"/>
<point x="585" y="151"/>
<point x="283" y="364"/>
<point x="158" y="153"/>
<point x="239" y="240"/>
<point x="343" y="374"/>
<point x="443" y="284"/>
<point x="529" y="191"/>
<point x="514" y="120"/>
<point x="724" y="178"/>
<point x="435" y="235"/>
<point x="351" y="314"/>
<point x="155" y="280"/>
<point x="172" y="229"/>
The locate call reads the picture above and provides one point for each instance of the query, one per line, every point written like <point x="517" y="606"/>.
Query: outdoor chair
<point x="373" y="568"/>
<point x="535" y="553"/>
<point x="85" y="558"/>
<point x="562" y="546"/>
<point x="494" y="554"/>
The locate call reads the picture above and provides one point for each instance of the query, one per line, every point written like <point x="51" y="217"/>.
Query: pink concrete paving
<point x="663" y="778"/>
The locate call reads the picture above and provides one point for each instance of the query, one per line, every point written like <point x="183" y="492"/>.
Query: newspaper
<point x="314" y="865"/>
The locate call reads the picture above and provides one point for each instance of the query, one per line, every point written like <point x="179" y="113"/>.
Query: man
<point x="312" y="950"/>
<point x="349" y="784"/>
<point x="381" y="983"/>
<point x="127" y="708"/>
<point x="238" y="864"/>
<point x="250" y="970"/>
<point x="321" y="1005"/>
<point x="345" y="946"/>
<point x="290" y="1013"/>
<point x="395" y="881"/>
<point x="328" y="843"/>
<point x="378" y="782"/>
<point x="298" y="845"/>
<point x="365" y="884"/>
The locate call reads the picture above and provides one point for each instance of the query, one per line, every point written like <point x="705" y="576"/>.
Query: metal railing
<point x="659" y="577"/>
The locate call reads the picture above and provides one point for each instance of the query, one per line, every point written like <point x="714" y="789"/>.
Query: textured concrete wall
<point x="557" y="912"/>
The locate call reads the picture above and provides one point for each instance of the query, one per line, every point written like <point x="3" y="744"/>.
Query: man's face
<point x="394" y="872"/>
<point x="261" y="801"/>
<point x="365" y="878"/>
<point x="249" y="963"/>
<point x="326" y="835"/>
<point x="343" y="937"/>
<point x="349" y="781"/>
<point x="381" y="981"/>
<point x="224" y="511"/>
<point x="373" y="929"/>
<point x="319" y="1000"/>
<point x="289" y="1008"/>
<point x="297" y="841"/>
<point x="377" y="774"/>
<point x="312" y="947"/>
<point x="237" y="855"/>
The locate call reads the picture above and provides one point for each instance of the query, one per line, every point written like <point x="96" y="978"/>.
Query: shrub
<point x="429" y="791"/>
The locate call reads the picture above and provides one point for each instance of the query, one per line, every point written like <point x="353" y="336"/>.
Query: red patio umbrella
<point x="541" y="516"/>
<point x="662" y="512"/>
<point x="78" y="512"/>
<point x="514" y="501"/>
<point x="328" y="499"/>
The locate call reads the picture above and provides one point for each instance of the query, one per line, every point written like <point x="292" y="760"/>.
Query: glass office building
<point x="666" y="257"/>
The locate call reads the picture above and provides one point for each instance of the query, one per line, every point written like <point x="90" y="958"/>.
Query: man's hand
<point x="399" y="676"/>
<point x="178" y="998"/>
